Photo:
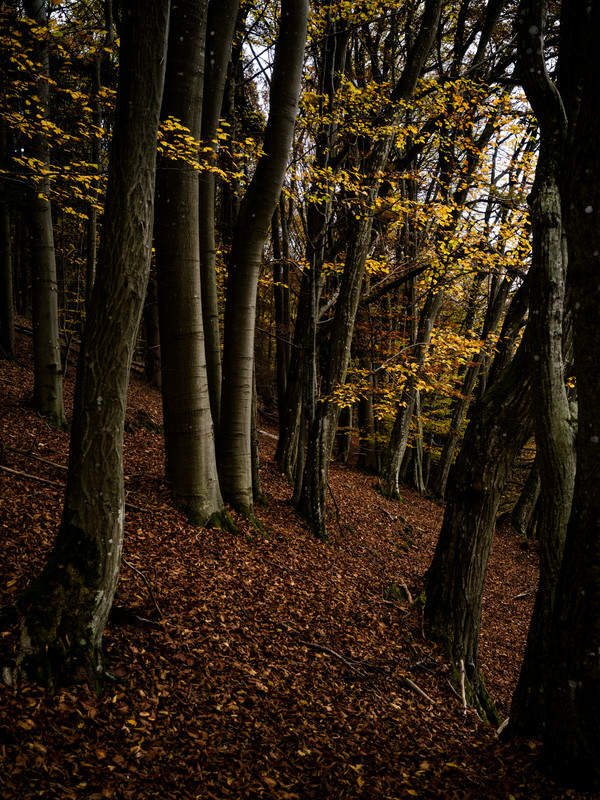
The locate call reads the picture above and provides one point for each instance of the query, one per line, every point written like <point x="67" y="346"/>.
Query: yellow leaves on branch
<point x="175" y="143"/>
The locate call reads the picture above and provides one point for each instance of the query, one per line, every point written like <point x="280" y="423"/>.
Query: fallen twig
<point x="37" y="458"/>
<point x="463" y="693"/>
<point x="409" y="596"/>
<point x="31" y="477"/>
<point x="417" y="689"/>
<point x="526" y="593"/>
<point x="324" y="649"/>
<point x="147" y="582"/>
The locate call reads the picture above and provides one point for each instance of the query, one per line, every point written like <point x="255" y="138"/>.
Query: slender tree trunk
<point x="251" y="229"/>
<point x="92" y="214"/>
<point x="152" y="369"/>
<point x="281" y="296"/>
<point x="297" y="404"/>
<point x="220" y="26"/>
<point x="47" y="389"/>
<point x="7" y="295"/>
<point x="66" y="608"/>
<point x="400" y="431"/>
<point x="189" y="434"/>
<point x="523" y="511"/>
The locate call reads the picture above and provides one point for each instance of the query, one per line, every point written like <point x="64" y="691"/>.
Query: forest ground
<point x="254" y="664"/>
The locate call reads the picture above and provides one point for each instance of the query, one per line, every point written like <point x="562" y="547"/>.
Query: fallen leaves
<point x="254" y="666"/>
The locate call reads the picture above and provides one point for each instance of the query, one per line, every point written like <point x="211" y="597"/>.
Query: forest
<point x="300" y="399"/>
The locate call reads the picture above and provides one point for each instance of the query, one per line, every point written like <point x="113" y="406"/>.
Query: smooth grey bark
<point x="297" y="404"/>
<point x="67" y="606"/>
<point x="312" y="502"/>
<point x="553" y="430"/>
<point x="91" y="211"/>
<point x="47" y="388"/>
<point x="250" y="233"/>
<point x="189" y="435"/>
<point x="281" y="297"/>
<point x="500" y="424"/>
<point x="220" y="27"/>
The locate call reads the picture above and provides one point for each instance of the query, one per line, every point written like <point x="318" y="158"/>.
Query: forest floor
<point x="254" y="665"/>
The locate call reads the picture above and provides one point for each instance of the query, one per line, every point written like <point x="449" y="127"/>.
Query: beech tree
<point x="67" y="606"/>
<point x="572" y="735"/>
<point x="249" y="237"/>
<point x="47" y="390"/>
<point x="553" y="425"/>
<point x="189" y="433"/>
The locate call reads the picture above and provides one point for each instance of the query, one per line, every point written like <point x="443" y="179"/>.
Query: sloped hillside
<point x="254" y="665"/>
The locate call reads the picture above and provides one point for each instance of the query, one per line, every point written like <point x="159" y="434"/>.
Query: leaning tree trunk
<point x="462" y="403"/>
<point x="67" y="606"/>
<point x="189" y="437"/>
<point x="250" y="233"/>
<point x="500" y="424"/>
<point x="47" y="387"/>
<point x="553" y="432"/>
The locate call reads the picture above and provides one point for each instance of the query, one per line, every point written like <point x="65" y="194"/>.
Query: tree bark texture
<point x="501" y="423"/>
<point x="572" y="733"/>
<point x="189" y="434"/>
<point x="67" y="606"/>
<point x="47" y="388"/>
<point x="462" y="403"/>
<point x="554" y="434"/>
<point x="250" y="233"/>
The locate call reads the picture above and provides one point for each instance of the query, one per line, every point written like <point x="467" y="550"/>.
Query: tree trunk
<point x="7" y="302"/>
<point x="250" y="232"/>
<point x="554" y="434"/>
<point x="189" y="436"/>
<point x="523" y="511"/>
<point x="500" y="424"/>
<point x="47" y="388"/>
<point x="462" y="403"/>
<point x="66" y="608"/>
<point x="281" y="296"/>
<point x="152" y="369"/>
<point x="572" y="731"/>
<point x="220" y="26"/>
<point x="7" y="294"/>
